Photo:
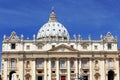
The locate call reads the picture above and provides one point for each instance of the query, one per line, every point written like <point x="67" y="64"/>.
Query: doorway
<point x="110" y="75"/>
<point x="63" y="77"/>
<point x="12" y="75"/>
<point x="40" y="78"/>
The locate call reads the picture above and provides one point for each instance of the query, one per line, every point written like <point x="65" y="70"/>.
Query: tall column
<point x="80" y="65"/>
<point x="45" y="69"/>
<point x="34" y="69"/>
<point x="21" y="69"/>
<point x="49" y="67"/>
<point x="91" y="69"/>
<point x="76" y="69"/>
<point x="68" y="68"/>
<point x="5" y="69"/>
<point x="102" y="67"/>
<point x="117" y="69"/>
<point x="57" y="69"/>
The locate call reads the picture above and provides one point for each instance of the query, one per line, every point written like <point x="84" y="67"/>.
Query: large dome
<point x="52" y="29"/>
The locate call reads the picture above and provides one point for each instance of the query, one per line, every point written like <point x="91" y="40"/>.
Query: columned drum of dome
<point x="53" y="29"/>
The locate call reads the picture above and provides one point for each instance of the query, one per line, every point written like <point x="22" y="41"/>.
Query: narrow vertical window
<point x="84" y="62"/>
<point x="39" y="63"/>
<point x="13" y="63"/>
<point x="71" y="63"/>
<point x="109" y="46"/>
<point x="62" y="63"/>
<point x="53" y="64"/>
<point x="110" y="63"/>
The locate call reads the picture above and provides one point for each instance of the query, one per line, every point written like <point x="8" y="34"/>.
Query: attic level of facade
<point x="14" y="38"/>
<point x="16" y="43"/>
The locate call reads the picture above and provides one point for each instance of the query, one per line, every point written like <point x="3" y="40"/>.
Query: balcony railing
<point x="39" y="67"/>
<point x="12" y="68"/>
<point x="85" y="67"/>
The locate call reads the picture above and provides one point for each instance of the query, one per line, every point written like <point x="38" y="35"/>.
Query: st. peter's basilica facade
<point x="52" y="55"/>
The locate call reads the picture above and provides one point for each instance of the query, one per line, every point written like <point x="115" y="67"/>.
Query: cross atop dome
<point x="52" y="17"/>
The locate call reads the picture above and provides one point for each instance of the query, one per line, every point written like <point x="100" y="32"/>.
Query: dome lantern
<point x="52" y="17"/>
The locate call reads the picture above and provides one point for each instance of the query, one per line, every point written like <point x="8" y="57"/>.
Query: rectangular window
<point x="62" y="63"/>
<point x="13" y="64"/>
<point x="28" y="47"/>
<point x="95" y="47"/>
<point x="109" y="46"/>
<point x="53" y="64"/>
<point x="84" y="62"/>
<point x="110" y="63"/>
<point x="72" y="64"/>
<point x="13" y="45"/>
<point x="40" y="64"/>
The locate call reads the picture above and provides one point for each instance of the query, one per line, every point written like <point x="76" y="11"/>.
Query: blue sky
<point x="84" y="17"/>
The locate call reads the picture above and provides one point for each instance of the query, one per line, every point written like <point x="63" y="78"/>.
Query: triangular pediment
<point x="13" y="37"/>
<point x="63" y="48"/>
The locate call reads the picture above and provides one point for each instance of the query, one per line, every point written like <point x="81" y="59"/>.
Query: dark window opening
<point x="13" y="46"/>
<point x="109" y="46"/>
<point x="72" y="71"/>
<point x="53" y="46"/>
<point x="40" y="78"/>
<point x="39" y="71"/>
<point x="53" y="71"/>
<point x="71" y="46"/>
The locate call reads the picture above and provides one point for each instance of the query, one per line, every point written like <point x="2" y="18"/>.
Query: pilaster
<point x="34" y="69"/>
<point x="79" y="65"/>
<point x="57" y="69"/>
<point x="76" y="68"/>
<point x="49" y="67"/>
<point x="102" y="67"/>
<point x="21" y="77"/>
<point x="45" y="69"/>
<point x="5" y="69"/>
<point x="91" y="69"/>
<point x="117" y="69"/>
<point x="68" y="68"/>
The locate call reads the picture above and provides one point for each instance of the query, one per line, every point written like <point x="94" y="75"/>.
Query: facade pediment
<point x="13" y="37"/>
<point x="63" y="48"/>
